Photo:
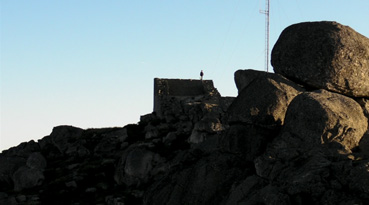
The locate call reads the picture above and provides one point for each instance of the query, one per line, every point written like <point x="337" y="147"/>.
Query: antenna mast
<point x="266" y="12"/>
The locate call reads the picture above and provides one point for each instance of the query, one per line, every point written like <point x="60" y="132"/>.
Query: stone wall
<point x="167" y="90"/>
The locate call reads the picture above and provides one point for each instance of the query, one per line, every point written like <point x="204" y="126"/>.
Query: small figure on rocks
<point x="201" y="75"/>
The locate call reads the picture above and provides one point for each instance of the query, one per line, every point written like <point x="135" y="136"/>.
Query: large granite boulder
<point x="263" y="98"/>
<point x="243" y="78"/>
<point x="36" y="161"/>
<point x="313" y="158"/>
<point x="61" y="138"/>
<point x="9" y="164"/>
<point x="136" y="166"/>
<point x="31" y="174"/>
<point x="26" y="177"/>
<point x="14" y="158"/>
<point x="323" y="117"/>
<point x="324" y="55"/>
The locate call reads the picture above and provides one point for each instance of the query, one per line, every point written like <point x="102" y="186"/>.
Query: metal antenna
<point x="266" y="12"/>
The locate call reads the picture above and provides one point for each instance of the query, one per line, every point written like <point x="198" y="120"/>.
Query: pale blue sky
<point x="91" y="64"/>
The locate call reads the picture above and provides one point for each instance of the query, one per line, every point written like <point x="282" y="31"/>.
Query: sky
<point x="91" y="64"/>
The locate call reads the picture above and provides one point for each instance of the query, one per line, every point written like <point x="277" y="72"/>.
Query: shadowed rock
<point x="36" y="161"/>
<point x="246" y="140"/>
<point x="364" y="142"/>
<point x="263" y="98"/>
<point x="136" y="166"/>
<point x="200" y="183"/>
<point x="25" y="178"/>
<point x="61" y="137"/>
<point x="204" y="127"/>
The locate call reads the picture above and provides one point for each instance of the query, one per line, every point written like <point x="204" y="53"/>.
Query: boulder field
<point x="296" y="136"/>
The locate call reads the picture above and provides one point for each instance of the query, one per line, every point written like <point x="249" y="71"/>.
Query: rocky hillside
<point x="296" y="136"/>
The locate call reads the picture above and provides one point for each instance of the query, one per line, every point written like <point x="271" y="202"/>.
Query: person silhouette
<point x="201" y="74"/>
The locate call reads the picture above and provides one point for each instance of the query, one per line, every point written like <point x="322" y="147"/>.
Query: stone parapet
<point x="166" y="91"/>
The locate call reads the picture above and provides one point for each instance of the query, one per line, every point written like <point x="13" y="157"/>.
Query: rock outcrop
<point x="324" y="55"/>
<point x="323" y="117"/>
<point x="263" y="98"/>
<point x="282" y="140"/>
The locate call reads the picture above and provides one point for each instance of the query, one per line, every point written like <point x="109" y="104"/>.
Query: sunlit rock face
<point x="323" y="117"/>
<point x="324" y="55"/>
<point x="285" y="139"/>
